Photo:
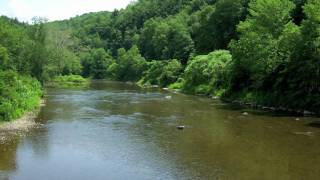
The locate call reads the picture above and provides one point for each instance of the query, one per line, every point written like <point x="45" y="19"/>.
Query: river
<point x="114" y="130"/>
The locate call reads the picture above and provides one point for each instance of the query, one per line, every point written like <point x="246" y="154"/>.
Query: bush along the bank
<point x="129" y="65"/>
<point x="69" y="81"/>
<point x="162" y="73"/>
<point x="18" y="95"/>
<point x="207" y="74"/>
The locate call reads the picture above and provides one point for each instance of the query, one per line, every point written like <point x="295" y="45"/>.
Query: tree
<point x="214" y="26"/>
<point x="162" y="73"/>
<point x="96" y="63"/>
<point x="38" y="59"/>
<point x="170" y="73"/>
<point x="130" y="64"/>
<point x="166" y="39"/>
<point x="259" y="50"/>
<point x="206" y="74"/>
<point x="298" y="83"/>
<point x="102" y="60"/>
<point x="4" y="58"/>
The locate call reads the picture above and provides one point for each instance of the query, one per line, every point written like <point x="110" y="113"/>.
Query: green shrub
<point x="96" y="63"/>
<point x="69" y="81"/>
<point x="162" y="73"/>
<point x="130" y="65"/>
<point x="18" y="94"/>
<point x="206" y="74"/>
<point x="178" y="84"/>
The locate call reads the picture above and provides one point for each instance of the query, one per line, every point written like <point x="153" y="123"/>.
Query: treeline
<point x="260" y="51"/>
<point x="31" y="54"/>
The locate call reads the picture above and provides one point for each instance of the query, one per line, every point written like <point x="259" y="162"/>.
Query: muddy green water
<point x="115" y="131"/>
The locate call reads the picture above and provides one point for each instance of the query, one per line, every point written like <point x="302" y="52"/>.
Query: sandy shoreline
<point x="20" y="125"/>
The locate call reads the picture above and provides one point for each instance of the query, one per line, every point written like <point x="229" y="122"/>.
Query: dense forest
<point x="264" y="52"/>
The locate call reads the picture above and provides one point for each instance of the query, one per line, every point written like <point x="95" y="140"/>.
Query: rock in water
<point x="180" y="127"/>
<point x="245" y="113"/>
<point x="168" y="97"/>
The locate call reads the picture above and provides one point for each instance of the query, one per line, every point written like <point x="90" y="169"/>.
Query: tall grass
<point x="18" y="95"/>
<point x="69" y="81"/>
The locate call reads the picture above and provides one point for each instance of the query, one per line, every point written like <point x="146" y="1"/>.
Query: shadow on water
<point x="315" y="124"/>
<point x="258" y="111"/>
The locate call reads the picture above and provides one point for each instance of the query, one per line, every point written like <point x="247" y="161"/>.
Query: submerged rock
<point x="215" y="97"/>
<point x="245" y="113"/>
<point x="168" y="97"/>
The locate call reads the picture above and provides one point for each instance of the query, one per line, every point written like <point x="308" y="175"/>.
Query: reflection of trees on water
<point x="8" y="154"/>
<point x="36" y="138"/>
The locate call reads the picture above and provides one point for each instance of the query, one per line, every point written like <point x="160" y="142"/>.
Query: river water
<point x="115" y="131"/>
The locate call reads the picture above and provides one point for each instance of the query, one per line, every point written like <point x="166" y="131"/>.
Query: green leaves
<point x="162" y="73"/>
<point x="18" y="94"/>
<point x="130" y="65"/>
<point x="166" y="39"/>
<point x="214" y="26"/>
<point x="4" y="58"/>
<point x="96" y="63"/>
<point x="267" y="16"/>
<point x="267" y="40"/>
<point x="208" y="73"/>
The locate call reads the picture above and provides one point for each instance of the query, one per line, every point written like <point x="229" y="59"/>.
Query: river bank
<point x="241" y="102"/>
<point x="21" y="125"/>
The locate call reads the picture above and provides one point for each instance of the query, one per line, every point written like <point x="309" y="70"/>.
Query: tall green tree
<point x="167" y="39"/>
<point x="261" y="47"/>
<point x="214" y="26"/>
<point x="4" y="58"/>
<point x="38" y="58"/>
<point x="129" y="65"/>
<point x="299" y="80"/>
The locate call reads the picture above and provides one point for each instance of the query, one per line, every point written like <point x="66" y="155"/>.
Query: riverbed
<point x="114" y="130"/>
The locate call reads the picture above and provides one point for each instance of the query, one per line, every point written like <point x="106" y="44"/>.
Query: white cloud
<point x="58" y="9"/>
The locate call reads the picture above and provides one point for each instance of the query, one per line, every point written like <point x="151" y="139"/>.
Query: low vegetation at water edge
<point x="69" y="81"/>
<point x="18" y="95"/>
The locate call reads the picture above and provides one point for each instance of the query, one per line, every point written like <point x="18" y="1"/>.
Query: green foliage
<point x="298" y="82"/>
<point x="265" y="42"/>
<point x="96" y="63"/>
<point x="170" y="73"/>
<point x="69" y="81"/>
<point x="166" y="39"/>
<point x="61" y="58"/>
<point x="4" y="58"/>
<point x="214" y="26"/>
<point x="275" y="60"/>
<point x="129" y="66"/>
<point x="177" y="85"/>
<point x="162" y="73"/>
<point x="207" y="73"/>
<point x="274" y="46"/>
<point x="18" y="94"/>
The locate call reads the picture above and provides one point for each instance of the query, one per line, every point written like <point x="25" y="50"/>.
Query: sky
<point x="24" y="10"/>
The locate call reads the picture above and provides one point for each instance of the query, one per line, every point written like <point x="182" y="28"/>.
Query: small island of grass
<point x="69" y="81"/>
